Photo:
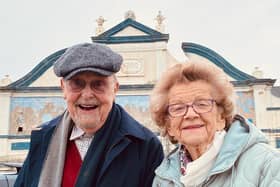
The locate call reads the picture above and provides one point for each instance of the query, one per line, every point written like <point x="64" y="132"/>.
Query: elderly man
<point x="94" y="142"/>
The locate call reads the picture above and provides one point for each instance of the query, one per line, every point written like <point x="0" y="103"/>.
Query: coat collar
<point x="129" y="126"/>
<point x="241" y="136"/>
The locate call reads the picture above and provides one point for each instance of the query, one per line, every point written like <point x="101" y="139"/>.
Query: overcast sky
<point x="244" y="32"/>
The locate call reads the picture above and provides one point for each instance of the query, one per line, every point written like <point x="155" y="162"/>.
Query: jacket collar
<point x="129" y="126"/>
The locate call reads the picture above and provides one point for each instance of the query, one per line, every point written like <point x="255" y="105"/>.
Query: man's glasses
<point x="199" y="106"/>
<point x="98" y="86"/>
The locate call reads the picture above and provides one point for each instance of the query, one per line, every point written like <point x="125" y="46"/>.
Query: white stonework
<point x="4" y="113"/>
<point x="260" y="98"/>
<point x="4" y="123"/>
<point x="5" y="81"/>
<point x="143" y="62"/>
<point x="47" y="79"/>
<point x="100" y="29"/>
<point x="130" y="31"/>
<point x="132" y="67"/>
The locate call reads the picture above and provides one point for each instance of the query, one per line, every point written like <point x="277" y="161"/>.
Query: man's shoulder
<point x="48" y="125"/>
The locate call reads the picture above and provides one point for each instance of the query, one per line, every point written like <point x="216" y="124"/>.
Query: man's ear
<point x="62" y="86"/>
<point x="116" y="87"/>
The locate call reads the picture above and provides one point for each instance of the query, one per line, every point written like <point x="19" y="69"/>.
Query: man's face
<point x="89" y="99"/>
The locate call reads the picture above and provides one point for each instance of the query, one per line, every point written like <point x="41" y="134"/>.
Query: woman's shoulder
<point x="261" y="154"/>
<point x="264" y="148"/>
<point x="267" y="159"/>
<point x="170" y="161"/>
<point x="268" y="151"/>
<point x="168" y="172"/>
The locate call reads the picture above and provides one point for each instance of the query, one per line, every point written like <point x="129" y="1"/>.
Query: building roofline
<point x="37" y="71"/>
<point x="217" y="59"/>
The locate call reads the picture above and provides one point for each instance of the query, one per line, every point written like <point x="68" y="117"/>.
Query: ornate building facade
<point x="37" y="98"/>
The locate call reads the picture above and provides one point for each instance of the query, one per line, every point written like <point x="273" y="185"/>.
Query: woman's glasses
<point x="199" y="106"/>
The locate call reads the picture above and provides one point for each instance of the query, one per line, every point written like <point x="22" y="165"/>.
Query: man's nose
<point x="87" y="91"/>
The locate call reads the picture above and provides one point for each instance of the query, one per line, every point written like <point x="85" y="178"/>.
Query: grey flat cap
<point x="94" y="57"/>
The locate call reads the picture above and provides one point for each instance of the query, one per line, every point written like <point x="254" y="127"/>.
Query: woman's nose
<point x="190" y="113"/>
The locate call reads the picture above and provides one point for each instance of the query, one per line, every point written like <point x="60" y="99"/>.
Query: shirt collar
<point x="76" y="133"/>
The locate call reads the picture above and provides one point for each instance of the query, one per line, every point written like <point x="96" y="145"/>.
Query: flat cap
<point x="94" y="57"/>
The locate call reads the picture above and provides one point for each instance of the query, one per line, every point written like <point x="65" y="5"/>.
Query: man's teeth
<point x="88" y="107"/>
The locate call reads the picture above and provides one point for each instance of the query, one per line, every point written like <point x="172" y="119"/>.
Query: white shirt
<point x="82" y="140"/>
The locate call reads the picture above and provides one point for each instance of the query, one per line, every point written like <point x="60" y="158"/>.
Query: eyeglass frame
<point x="187" y="106"/>
<point x="92" y="85"/>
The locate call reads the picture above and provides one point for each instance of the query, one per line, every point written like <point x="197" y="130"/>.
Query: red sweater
<point x="72" y="165"/>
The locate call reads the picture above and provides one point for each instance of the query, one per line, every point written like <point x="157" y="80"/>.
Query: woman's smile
<point x="193" y="127"/>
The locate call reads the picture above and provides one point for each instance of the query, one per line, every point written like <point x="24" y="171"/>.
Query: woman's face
<point x="194" y="129"/>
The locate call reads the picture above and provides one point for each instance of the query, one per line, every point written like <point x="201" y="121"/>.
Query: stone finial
<point x="5" y="81"/>
<point x="159" y="19"/>
<point x="130" y="14"/>
<point x="257" y="73"/>
<point x="100" y="28"/>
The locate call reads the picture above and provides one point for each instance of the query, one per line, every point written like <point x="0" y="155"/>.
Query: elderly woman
<point x="193" y="105"/>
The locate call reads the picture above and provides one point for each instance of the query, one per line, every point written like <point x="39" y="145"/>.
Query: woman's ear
<point x="221" y="120"/>
<point x="169" y="131"/>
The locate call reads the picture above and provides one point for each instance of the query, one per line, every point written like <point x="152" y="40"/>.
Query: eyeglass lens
<point x="98" y="86"/>
<point x="199" y="106"/>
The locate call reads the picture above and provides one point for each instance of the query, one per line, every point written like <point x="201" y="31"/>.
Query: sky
<point x="245" y="32"/>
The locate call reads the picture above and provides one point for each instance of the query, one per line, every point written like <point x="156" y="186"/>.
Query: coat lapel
<point x="117" y="147"/>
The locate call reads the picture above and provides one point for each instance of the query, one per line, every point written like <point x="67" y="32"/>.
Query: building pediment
<point x="130" y="31"/>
